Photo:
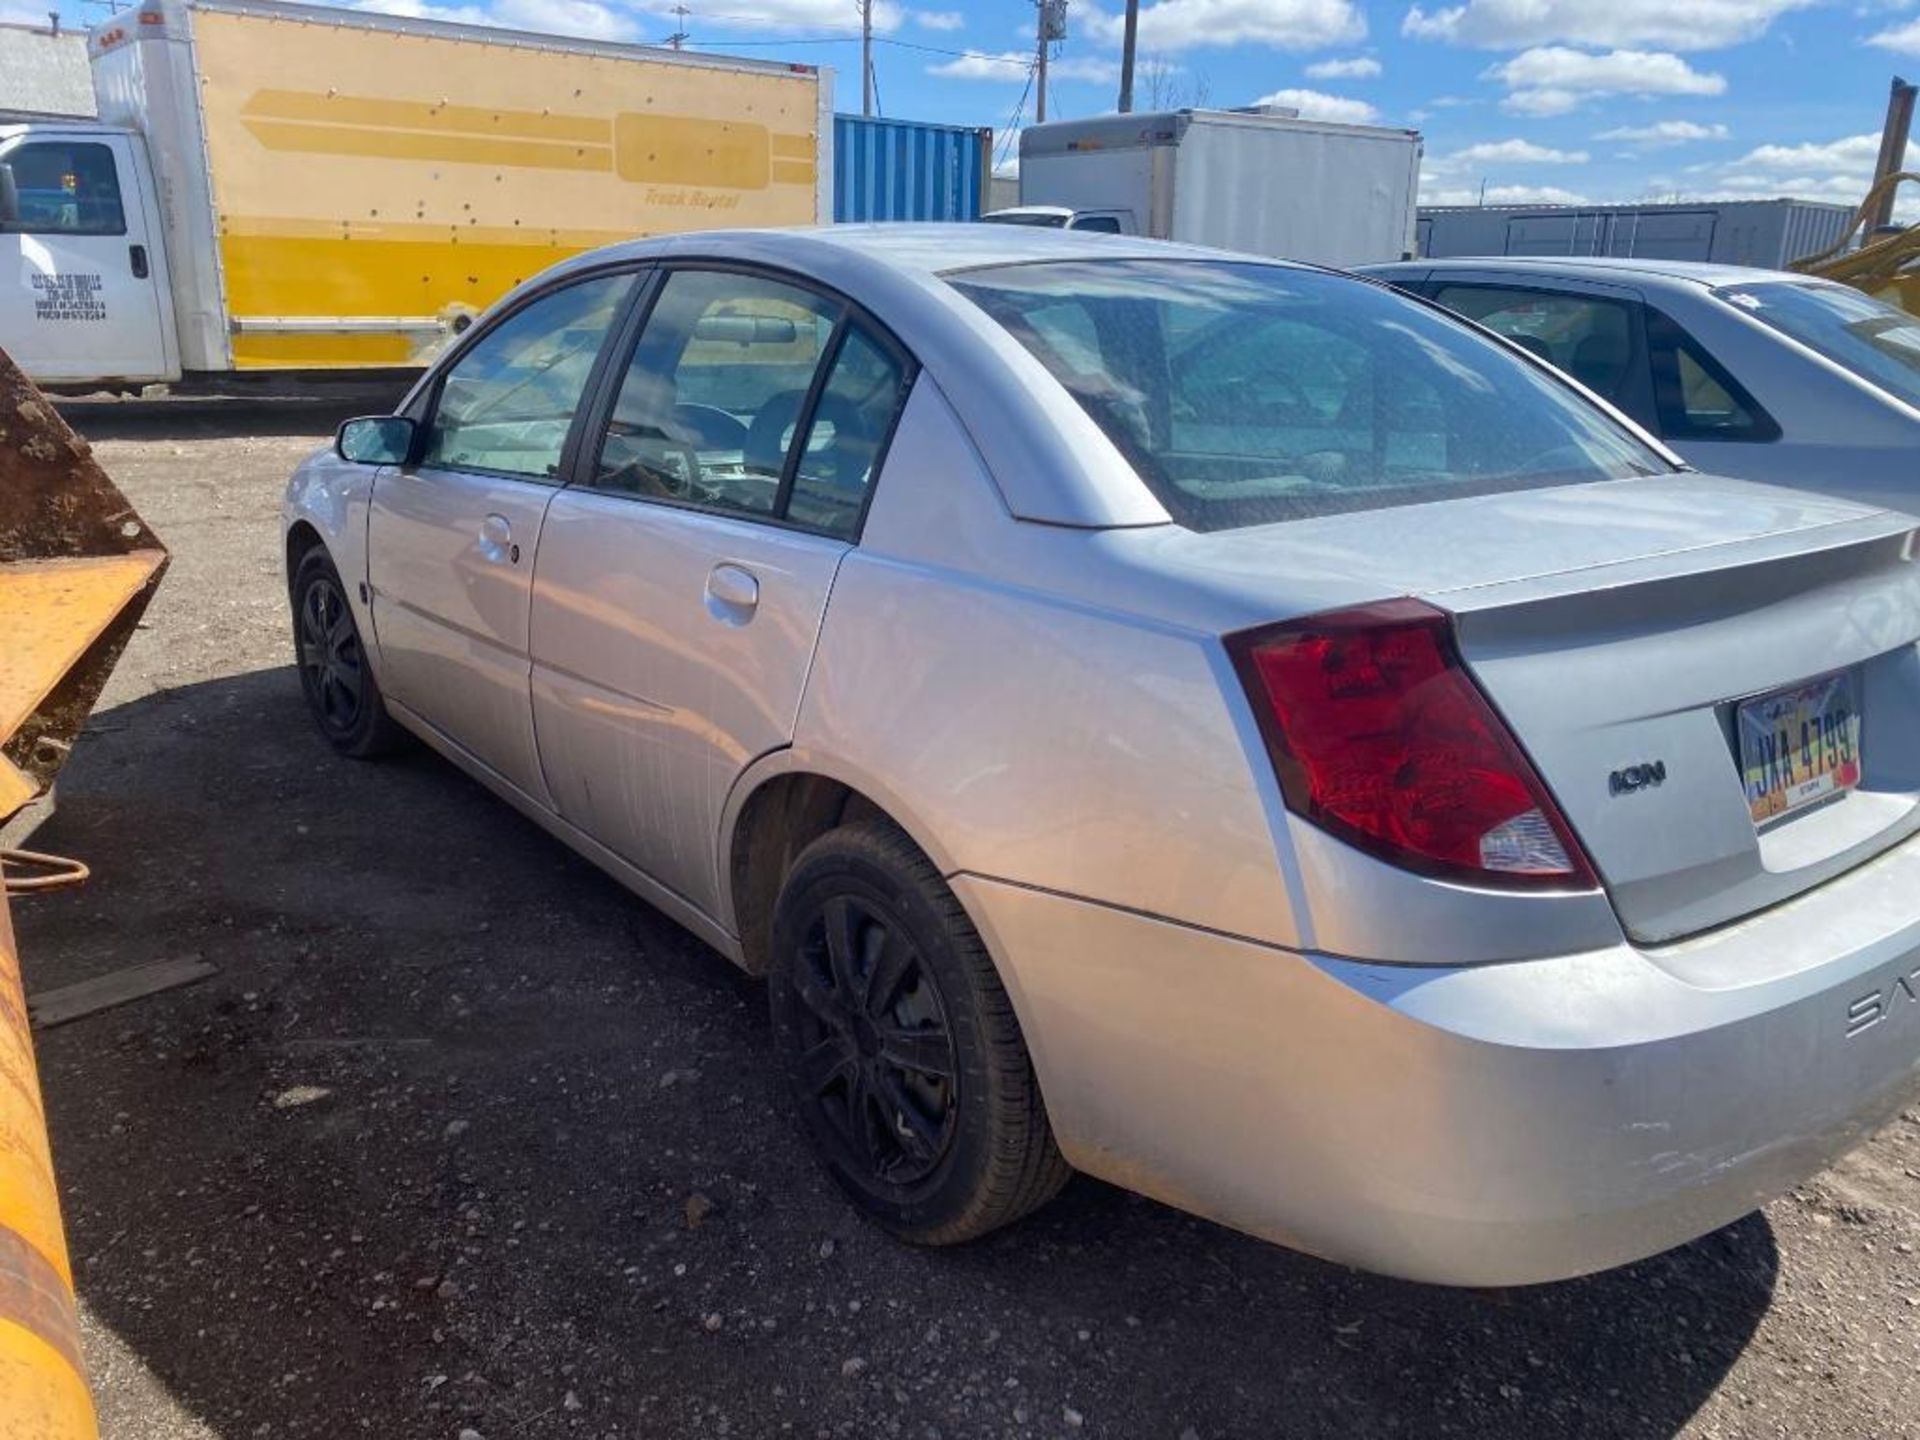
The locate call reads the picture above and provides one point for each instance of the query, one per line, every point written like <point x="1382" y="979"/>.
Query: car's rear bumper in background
<point x="1486" y="1125"/>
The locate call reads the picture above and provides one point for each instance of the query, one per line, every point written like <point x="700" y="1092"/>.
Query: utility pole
<point x="1128" y="39"/>
<point x="866" y="57"/>
<point x="1893" y="147"/>
<point x="1050" y="26"/>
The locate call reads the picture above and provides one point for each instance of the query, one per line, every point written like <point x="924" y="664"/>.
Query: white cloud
<point x="1901" y="39"/>
<point x="1500" y="195"/>
<point x="1008" y="65"/>
<point x="1837" y="170"/>
<point x="888" y="15"/>
<point x="1361" y="67"/>
<point x="940" y="20"/>
<point x="1011" y="66"/>
<point x="1314" y="105"/>
<point x="1675" y="24"/>
<point x="1006" y="150"/>
<point x="416" y="10"/>
<point x="1663" y="134"/>
<point x="585" y="18"/>
<point x="1552" y="79"/>
<point x="1513" y="152"/>
<point x="1171" y="25"/>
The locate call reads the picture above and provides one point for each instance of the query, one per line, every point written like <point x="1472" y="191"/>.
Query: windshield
<point x="1872" y="339"/>
<point x="1245" y="394"/>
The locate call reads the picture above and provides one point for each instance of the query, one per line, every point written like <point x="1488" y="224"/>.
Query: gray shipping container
<point x="1768" y="233"/>
<point x="908" y="169"/>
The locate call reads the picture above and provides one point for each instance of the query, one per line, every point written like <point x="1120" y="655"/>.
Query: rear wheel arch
<point x="780" y="816"/>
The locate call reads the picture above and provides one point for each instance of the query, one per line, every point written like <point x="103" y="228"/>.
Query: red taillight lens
<point x="1380" y="736"/>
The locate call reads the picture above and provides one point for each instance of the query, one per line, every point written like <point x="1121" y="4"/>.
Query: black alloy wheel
<point x="903" y="1055"/>
<point x="335" y="674"/>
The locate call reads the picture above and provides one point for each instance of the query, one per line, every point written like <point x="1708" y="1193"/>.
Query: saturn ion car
<point x="1224" y="726"/>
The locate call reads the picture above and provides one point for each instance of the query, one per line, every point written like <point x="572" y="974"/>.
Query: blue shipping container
<point x="907" y="170"/>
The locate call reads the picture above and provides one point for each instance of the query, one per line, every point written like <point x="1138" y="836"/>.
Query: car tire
<point x="335" y="674"/>
<point x="919" y="1098"/>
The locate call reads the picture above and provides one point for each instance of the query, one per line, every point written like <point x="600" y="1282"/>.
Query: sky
<point x="1523" y="100"/>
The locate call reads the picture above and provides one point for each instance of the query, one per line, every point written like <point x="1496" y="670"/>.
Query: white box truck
<point x="278" y="189"/>
<point x="1260" y="180"/>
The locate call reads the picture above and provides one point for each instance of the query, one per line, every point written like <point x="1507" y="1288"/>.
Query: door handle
<point x="732" y="594"/>
<point x="137" y="257"/>
<point x="496" y="541"/>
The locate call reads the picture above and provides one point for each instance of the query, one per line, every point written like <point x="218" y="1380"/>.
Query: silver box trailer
<point x="1768" y="233"/>
<point x="1263" y="181"/>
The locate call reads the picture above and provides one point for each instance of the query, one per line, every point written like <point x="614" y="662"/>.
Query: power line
<point x="853" y="38"/>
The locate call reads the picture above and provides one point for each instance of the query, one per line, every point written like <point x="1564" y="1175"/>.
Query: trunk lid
<point x="1624" y="683"/>
<point x="1618" y="628"/>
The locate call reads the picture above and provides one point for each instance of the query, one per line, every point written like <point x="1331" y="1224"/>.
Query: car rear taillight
<point x="1380" y="736"/>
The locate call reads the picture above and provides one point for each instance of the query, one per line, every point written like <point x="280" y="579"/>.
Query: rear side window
<point x="1245" y="394"/>
<point x="852" y="422"/>
<point x="66" y="188"/>
<point x="729" y="370"/>
<point x="1588" y="337"/>
<point x="1696" y="397"/>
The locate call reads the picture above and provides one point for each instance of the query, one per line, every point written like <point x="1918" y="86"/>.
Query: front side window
<point x="508" y="402"/>
<point x="66" y="188"/>
<point x="1867" y="336"/>
<point x="717" y="390"/>
<point x="1589" y="338"/>
<point x="1246" y="394"/>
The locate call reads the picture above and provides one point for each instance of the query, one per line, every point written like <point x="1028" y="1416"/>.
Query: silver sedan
<point x="1219" y="725"/>
<point x="1761" y="374"/>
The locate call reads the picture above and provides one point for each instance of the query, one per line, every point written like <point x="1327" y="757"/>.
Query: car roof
<point x="918" y="250"/>
<point x="1006" y="402"/>
<point x="1030" y="210"/>
<point x="1592" y="267"/>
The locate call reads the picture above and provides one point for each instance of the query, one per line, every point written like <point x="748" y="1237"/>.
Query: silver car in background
<point x="1762" y="374"/>
<point x="1220" y="725"/>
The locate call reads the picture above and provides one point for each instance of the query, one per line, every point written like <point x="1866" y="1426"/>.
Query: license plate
<point x="1800" y="746"/>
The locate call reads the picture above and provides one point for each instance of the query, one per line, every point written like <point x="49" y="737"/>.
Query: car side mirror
<point x="375" y="440"/>
<point x="9" y="199"/>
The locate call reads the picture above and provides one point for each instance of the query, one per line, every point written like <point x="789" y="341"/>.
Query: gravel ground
<point x="464" y="1141"/>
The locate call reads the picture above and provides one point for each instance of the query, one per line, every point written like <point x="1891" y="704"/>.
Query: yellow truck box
<point x="285" y="187"/>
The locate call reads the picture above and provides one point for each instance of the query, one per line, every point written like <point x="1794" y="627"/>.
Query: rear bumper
<point x="1485" y="1125"/>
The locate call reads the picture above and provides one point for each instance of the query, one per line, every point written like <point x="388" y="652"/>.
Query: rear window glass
<point x="1249" y="394"/>
<point x="1867" y="336"/>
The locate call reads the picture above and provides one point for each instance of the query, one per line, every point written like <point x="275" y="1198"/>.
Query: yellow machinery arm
<point x="77" y="567"/>
<point x="1878" y="267"/>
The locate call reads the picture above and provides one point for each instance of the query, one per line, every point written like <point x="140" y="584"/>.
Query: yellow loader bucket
<point x="77" y="567"/>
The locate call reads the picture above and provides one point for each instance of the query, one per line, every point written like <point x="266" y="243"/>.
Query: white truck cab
<point x="88" y="299"/>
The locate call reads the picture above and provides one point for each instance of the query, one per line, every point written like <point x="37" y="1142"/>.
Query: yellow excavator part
<point x="1879" y="267"/>
<point x="77" y="567"/>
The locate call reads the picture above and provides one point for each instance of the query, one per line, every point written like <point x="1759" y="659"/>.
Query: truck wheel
<point x="900" y="1046"/>
<point x="334" y="671"/>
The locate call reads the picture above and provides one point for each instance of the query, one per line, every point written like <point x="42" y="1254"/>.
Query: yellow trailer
<point x="277" y="186"/>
